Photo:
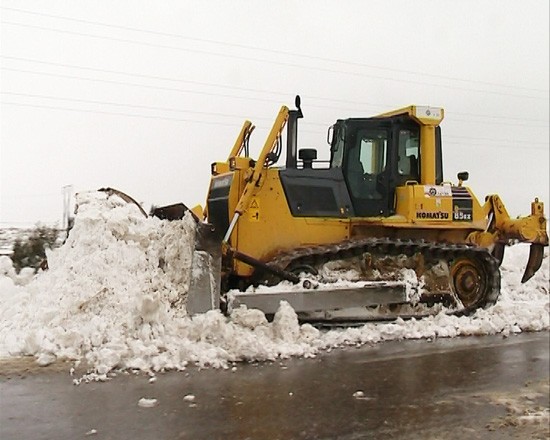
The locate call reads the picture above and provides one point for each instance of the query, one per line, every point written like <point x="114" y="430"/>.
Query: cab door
<point x="367" y="166"/>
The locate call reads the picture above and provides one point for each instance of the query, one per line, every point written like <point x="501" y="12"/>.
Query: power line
<point x="169" y="109"/>
<point x="485" y="146"/>
<point x="246" y="89"/>
<point x="163" y="78"/>
<point x="170" y="89"/>
<point x="144" y="107"/>
<point x="125" y="83"/>
<point x="268" y="50"/>
<point x="49" y="107"/>
<point x="131" y="115"/>
<point x="196" y="92"/>
<point x="27" y="196"/>
<point x="516" y="142"/>
<point x="269" y="61"/>
<point x="498" y="122"/>
<point x="28" y="223"/>
<point x="210" y="122"/>
<point x="139" y="75"/>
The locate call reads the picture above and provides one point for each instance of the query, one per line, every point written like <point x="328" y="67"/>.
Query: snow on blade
<point x="114" y="298"/>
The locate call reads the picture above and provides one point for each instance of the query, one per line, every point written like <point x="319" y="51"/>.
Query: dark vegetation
<point x="31" y="250"/>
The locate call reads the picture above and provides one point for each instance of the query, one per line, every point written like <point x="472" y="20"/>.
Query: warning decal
<point x="437" y="190"/>
<point x="254" y="210"/>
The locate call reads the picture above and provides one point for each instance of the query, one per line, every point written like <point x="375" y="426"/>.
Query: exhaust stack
<point x="292" y="134"/>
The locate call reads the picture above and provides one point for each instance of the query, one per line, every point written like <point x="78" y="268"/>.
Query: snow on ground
<point x="114" y="294"/>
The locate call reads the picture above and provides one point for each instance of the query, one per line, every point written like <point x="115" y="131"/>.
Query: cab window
<point x="408" y="154"/>
<point x="366" y="161"/>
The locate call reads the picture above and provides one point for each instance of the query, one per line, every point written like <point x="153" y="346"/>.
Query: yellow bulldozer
<point x="379" y="206"/>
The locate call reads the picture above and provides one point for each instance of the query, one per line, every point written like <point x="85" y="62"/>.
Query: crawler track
<point x="473" y="276"/>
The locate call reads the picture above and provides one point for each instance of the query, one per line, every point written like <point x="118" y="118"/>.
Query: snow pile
<point x="9" y="276"/>
<point x="114" y="295"/>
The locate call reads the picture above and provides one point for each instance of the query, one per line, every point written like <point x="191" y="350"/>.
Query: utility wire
<point x="28" y="196"/>
<point x="196" y="92"/>
<point x="268" y="50"/>
<point x="246" y="89"/>
<point x="125" y="83"/>
<point x="175" y="110"/>
<point x="163" y="78"/>
<point x="132" y="115"/>
<point x="170" y="89"/>
<point x="117" y="104"/>
<point x="269" y="61"/>
<point x="482" y="147"/>
<point x="495" y="142"/>
<point x="210" y="122"/>
<point x="50" y="107"/>
<point x="52" y="222"/>
<point x="499" y="140"/>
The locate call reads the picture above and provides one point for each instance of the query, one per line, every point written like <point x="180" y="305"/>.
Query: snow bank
<point x="114" y="294"/>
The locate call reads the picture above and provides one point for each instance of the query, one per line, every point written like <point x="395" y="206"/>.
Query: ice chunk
<point x="147" y="403"/>
<point x="45" y="359"/>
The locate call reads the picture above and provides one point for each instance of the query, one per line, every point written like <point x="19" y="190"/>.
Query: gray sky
<point x="144" y="95"/>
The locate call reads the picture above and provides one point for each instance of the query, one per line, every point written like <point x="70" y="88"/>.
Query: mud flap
<point x="204" y="286"/>
<point x="536" y="254"/>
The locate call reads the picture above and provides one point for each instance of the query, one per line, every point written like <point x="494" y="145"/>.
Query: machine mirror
<point x="463" y="176"/>
<point x="297" y="101"/>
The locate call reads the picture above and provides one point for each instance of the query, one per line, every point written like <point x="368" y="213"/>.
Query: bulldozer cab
<point x="376" y="155"/>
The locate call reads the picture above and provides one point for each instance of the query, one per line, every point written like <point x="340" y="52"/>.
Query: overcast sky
<point x="143" y="95"/>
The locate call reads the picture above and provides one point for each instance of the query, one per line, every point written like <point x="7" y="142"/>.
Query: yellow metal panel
<point x="404" y="201"/>
<point x="239" y="163"/>
<point x="274" y="229"/>
<point x="425" y="115"/>
<point x="432" y="208"/>
<point x="220" y="168"/>
<point x="259" y="169"/>
<point x="427" y="155"/>
<point x="419" y="210"/>
<point x="239" y="142"/>
<point x="435" y="205"/>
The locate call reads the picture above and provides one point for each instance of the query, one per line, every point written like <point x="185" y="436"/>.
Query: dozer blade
<point x="340" y="304"/>
<point x="536" y="254"/>
<point x="205" y="277"/>
<point x="204" y="286"/>
<point x="123" y="196"/>
<point x="172" y="212"/>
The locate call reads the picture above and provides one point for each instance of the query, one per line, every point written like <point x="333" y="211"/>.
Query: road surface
<point x="463" y="388"/>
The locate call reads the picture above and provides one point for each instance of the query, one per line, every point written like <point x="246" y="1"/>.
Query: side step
<point x="349" y="304"/>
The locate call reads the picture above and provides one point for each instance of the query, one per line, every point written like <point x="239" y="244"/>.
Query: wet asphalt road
<point x="444" y="389"/>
